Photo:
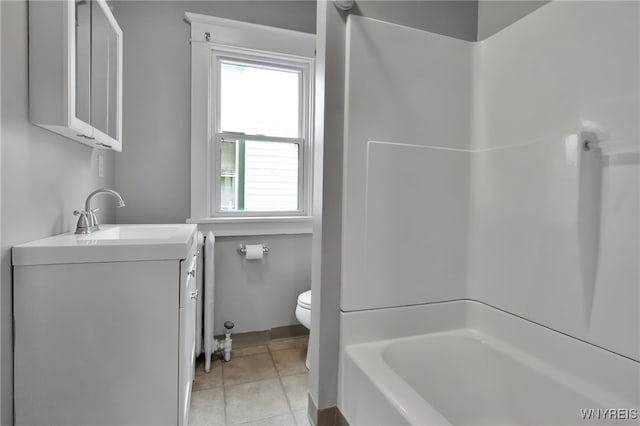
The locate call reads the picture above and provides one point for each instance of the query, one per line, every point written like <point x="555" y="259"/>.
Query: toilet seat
<point x="304" y="300"/>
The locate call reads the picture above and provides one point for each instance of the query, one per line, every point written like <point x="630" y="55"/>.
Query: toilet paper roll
<point x="254" y="251"/>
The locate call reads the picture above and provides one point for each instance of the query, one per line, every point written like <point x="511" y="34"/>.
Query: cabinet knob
<point x="194" y="294"/>
<point x="192" y="273"/>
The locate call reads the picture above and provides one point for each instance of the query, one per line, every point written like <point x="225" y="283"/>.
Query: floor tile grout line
<point x="224" y="399"/>
<point x="266" y="379"/>
<point x="253" y="379"/>
<point x="224" y="391"/>
<point x="284" y="390"/>
<point x="271" y="379"/>
<point x="257" y="420"/>
<point x="286" y="348"/>
<point x="233" y="356"/>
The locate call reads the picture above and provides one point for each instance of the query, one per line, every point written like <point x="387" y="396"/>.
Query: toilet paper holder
<point x="243" y="250"/>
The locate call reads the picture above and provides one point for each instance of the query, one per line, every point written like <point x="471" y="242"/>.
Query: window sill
<point x="241" y="226"/>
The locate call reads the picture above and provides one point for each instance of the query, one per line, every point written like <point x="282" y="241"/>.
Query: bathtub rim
<point x="381" y="326"/>
<point x="412" y="406"/>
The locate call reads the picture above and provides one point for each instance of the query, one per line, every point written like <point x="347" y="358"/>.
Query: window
<point x="251" y="127"/>
<point x="260" y="140"/>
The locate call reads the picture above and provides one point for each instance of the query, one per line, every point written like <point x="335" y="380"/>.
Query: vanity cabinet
<point x="105" y="329"/>
<point x="75" y="71"/>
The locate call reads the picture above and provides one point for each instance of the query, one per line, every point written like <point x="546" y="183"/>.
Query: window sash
<point x="220" y="56"/>
<point x="217" y="171"/>
<point x="297" y="69"/>
<point x="231" y="55"/>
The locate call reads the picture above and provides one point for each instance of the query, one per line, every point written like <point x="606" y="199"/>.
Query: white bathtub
<point x="495" y="369"/>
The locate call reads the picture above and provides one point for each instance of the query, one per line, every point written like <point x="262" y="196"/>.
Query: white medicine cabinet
<point x="75" y="71"/>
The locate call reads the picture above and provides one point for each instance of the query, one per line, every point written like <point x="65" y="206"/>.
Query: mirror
<point x="83" y="60"/>
<point x="104" y="73"/>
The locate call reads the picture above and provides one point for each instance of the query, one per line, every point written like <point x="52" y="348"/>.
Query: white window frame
<point x="214" y="39"/>
<point x="224" y="54"/>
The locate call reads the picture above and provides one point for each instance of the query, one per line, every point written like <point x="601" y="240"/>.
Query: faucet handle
<point x="83" y="225"/>
<point x="93" y="220"/>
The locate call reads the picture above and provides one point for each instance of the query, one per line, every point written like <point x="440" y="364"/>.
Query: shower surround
<point x="466" y="177"/>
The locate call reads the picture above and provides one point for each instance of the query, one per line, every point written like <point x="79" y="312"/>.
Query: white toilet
<point x="303" y="314"/>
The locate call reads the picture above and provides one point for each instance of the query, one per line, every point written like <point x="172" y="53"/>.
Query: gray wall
<point x="495" y="15"/>
<point x="260" y="294"/>
<point x="153" y="172"/>
<point x="457" y="19"/>
<point x="44" y="178"/>
<point x="467" y="20"/>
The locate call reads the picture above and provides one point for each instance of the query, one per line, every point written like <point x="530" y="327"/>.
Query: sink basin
<point x="133" y="232"/>
<point x="112" y="243"/>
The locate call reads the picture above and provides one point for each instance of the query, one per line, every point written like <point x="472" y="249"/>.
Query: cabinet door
<point x="75" y="71"/>
<point x="106" y="77"/>
<point x="187" y="354"/>
<point x="110" y="357"/>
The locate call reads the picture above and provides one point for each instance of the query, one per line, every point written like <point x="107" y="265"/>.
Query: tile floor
<point x="262" y="385"/>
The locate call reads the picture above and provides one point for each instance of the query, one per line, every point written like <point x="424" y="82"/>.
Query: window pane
<point x="228" y="175"/>
<point x="259" y="101"/>
<point x="258" y="176"/>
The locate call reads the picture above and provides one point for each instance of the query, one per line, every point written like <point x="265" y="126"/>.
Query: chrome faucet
<point x="87" y="220"/>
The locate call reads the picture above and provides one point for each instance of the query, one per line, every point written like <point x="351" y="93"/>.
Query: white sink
<point x="132" y="232"/>
<point x="111" y="243"/>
